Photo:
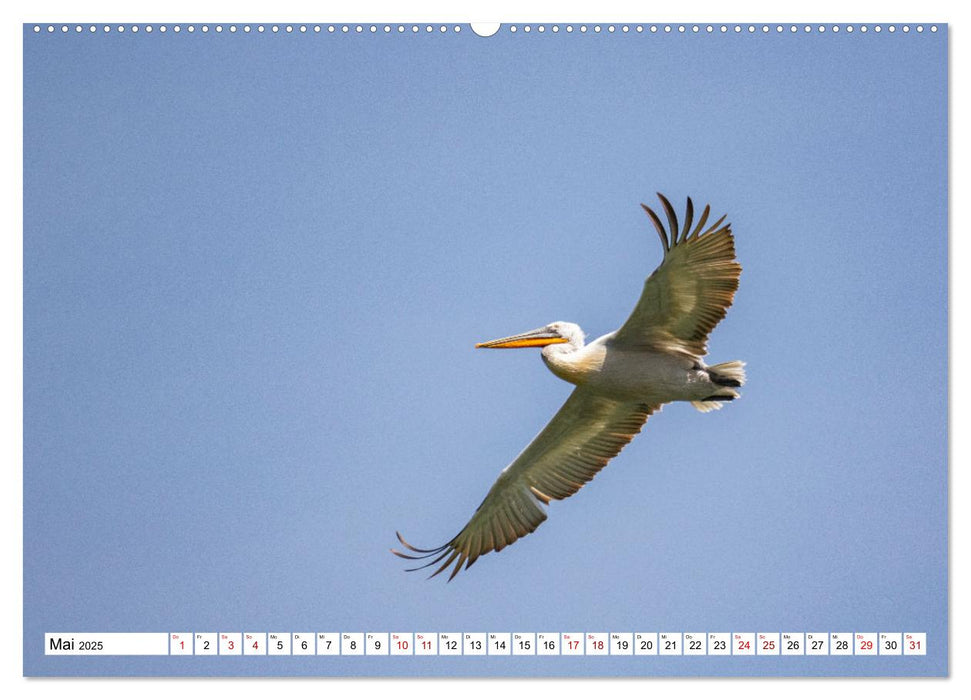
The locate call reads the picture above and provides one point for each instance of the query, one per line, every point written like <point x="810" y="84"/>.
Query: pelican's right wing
<point x="582" y="437"/>
<point x="690" y="291"/>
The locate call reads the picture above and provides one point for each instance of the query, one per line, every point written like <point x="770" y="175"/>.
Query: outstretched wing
<point x="690" y="291"/>
<point x="582" y="437"/>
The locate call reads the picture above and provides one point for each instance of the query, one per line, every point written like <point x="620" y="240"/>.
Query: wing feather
<point x="689" y="215"/>
<point x="576" y="444"/>
<point x="672" y="218"/>
<point x="690" y="291"/>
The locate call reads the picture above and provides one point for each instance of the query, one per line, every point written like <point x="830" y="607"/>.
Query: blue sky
<point x="255" y="267"/>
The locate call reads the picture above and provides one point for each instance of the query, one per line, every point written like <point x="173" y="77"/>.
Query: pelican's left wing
<point x="582" y="437"/>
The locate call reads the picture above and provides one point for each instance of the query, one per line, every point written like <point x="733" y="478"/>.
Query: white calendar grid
<point x="486" y="644"/>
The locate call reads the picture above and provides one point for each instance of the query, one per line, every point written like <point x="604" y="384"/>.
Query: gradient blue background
<point x="255" y="267"/>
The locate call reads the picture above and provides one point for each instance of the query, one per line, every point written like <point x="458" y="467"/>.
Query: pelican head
<point x="556" y="333"/>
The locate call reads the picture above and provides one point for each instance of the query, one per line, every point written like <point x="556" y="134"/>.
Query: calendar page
<point x="647" y="321"/>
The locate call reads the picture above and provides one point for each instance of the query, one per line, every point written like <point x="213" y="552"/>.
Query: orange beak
<point x="537" y="338"/>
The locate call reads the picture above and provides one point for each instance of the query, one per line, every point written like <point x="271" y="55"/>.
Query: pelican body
<point x="609" y="368"/>
<point x="621" y="378"/>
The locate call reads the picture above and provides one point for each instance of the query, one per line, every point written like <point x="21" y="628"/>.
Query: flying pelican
<point x="621" y="378"/>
